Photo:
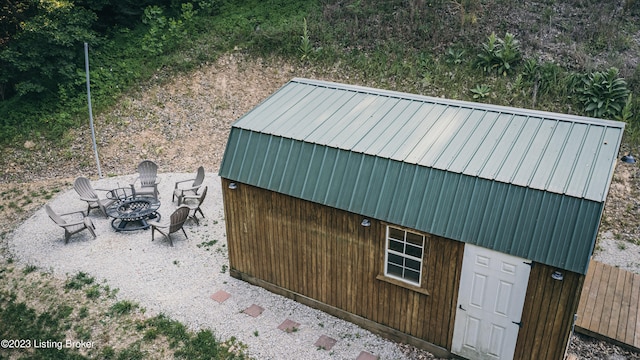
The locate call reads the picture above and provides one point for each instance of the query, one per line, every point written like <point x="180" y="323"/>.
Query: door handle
<point x="461" y="308"/>
<point x="518" y="323"/>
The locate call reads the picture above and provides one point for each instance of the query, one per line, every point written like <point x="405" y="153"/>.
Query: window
<point x="403" y="257"/>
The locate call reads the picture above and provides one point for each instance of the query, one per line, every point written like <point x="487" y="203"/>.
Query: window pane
<point x="396" y="234"/>
<point x="412" y="276"/>
<point x="395" y="259"/>
<point x="414" y="251"/>
<point x="415" y="239"/>
<point x="404" y="255"/>
<point x="396" y="246"/>
<point x="394" y="270"/>
<point x="412" y="264"/>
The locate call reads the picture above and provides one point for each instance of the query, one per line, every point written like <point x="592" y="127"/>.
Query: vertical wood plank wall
<point x="325" y="254"/>
<point x="548" y="312"/>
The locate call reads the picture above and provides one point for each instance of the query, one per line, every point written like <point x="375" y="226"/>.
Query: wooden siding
<point x="609" y="305"/>
<point x="548" y="312"/>
<point x="326" y="259"/>
<point x="326" y="255"/>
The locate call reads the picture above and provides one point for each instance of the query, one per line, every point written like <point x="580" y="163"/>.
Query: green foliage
<point x="539" y="79"/>
<point x="603" y="94"/>
<point x="264" y="29"/>
<point x="154" y="40"/>
<point x="42" y="78"/>
<point x="481" y="91"/>
<point x="632" y="131"/>
<point x="29" y="269"/>
<point x="49" y="96"/>
<point x="79" y="281"/>
<point x="93" y="292"/>
<point x="455" y="56"/>
<point x="499" y="55"/>
<point x="132" y="352"/>
<point x="18" y="321"/>
<point x="167" y="34"/>
<point x="45" y="52"/>
<point x="626" y="115"/>
<point x="305" y="43"/>
<point x="123" y="307"/>
<point x="201" y="345"/>
<point x="395" y="44"/>
<point x="209" y="7"/>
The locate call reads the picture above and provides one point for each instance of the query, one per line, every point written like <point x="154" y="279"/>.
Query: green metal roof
<point x="527" y="183"/>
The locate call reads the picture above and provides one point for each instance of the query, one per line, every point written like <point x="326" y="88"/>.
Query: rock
<point x="29" y="144"/>
<point x="616" y="357"/>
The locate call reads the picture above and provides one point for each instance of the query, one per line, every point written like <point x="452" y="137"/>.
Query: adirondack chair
<point x="194" y="202"/>
<point x="87" y="193"/>
<point x="71" y="227"/>
<point x="181" y="189"/>
<point x="148" y="180"/>
<point x="175" y="223"/>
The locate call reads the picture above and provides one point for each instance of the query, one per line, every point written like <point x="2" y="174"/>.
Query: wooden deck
<point x="609" y="305"/>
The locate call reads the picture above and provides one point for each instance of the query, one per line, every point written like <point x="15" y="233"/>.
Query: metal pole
<point x="93" y="132"/>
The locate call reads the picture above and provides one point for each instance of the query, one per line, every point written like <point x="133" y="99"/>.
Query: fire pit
<point x="132" y="214"/>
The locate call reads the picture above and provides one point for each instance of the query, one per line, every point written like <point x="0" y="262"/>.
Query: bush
<point x="498" y="55"/>
<point x="603" y="94"/>
<point x="47" y="50"/>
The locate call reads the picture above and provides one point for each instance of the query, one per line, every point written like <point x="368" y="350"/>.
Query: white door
<point x="493" y="286"/>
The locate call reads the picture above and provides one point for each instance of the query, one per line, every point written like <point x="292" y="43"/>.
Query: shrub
<point x="498" y="55"/>
<point x="603" y="94"/>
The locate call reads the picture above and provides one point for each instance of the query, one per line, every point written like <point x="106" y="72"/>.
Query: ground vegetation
<point x="162" y="71"/>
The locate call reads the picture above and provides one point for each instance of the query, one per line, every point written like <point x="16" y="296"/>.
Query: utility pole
<point x="93" y="132"/>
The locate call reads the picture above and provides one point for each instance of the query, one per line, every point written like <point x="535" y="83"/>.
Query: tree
<point x="47" y="48"/>
<point x="12" y="13"/>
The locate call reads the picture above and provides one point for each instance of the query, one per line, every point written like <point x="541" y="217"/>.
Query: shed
<point x="459" y="227"/>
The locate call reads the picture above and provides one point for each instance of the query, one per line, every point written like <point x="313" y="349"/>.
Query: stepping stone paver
<point x="366" y="356"/>
<point x="220" y="296"/>
<point x="253" y="310"/>
<point x="289" y="326"/>
<point x="325" y="342"/>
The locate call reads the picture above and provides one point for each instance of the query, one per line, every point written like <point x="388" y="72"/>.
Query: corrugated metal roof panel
<point x="602" y="159"/>
<point x="534" y="149"/>
<point x="378" y="138"/>
<point x="505" y="141"/>
<point x="531" y="184"/>
<point x="550" y="228"/>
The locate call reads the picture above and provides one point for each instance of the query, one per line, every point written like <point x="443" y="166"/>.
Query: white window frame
<point x="403" y="254"/>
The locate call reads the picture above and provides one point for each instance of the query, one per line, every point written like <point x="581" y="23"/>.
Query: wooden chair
<point x="194" y="202"/>
<point x="180" y="190"/>
<point x="148" y="179"/>
<point x="87" y="193"/>
<point x="175" y="223"/>
<point x="71" y="227"/>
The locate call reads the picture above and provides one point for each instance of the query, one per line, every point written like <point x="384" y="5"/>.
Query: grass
<point x="426" y="49"/>
<point x="79" y="281"/>
<point x="35" y="306"/>
<point x="93" y="292"/>
<point x="207" y="244"/>
<point x="342" y="37"/>
<point x="29" y="269"/>
<point x="123" y="307"/>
